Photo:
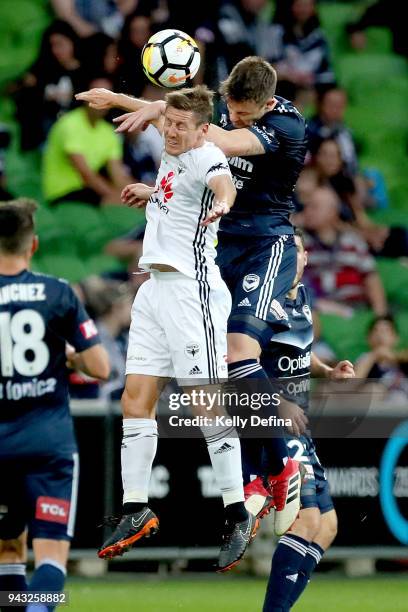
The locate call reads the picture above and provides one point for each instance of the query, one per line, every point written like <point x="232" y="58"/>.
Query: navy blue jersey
<point x="38" y="315"/>
<point x="288" y="355"/>
<point x="265" y="183"/>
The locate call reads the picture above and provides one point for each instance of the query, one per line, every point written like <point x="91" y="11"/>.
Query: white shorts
<point x="179" y="328"/>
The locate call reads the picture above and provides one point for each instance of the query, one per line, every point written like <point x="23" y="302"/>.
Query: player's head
<point x="383" y="332"/>
<point x="249" y="90"/>
<point x="301" y="260"/>
<point x="187" y="117"/>
<point x="17" y="230"/>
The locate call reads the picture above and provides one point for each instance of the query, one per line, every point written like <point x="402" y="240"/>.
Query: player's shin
<point x="311" y="559"/>
<point x="13" y="578"/>
<point x="139" y="444"/>
<point x="49" y="575"/>
<point x="224" y="450"/>
<point x="287" y="560"/>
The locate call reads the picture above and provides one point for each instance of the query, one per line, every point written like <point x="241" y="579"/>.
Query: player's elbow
<point x="97" y="363"/>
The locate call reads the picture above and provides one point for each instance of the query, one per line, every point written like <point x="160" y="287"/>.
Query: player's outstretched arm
<point x="235" y="142"/>
<point x="105" y="99"/>
<point x="93" y="362"/>
<point x="224" y="197"/>
<point x="152" y="112"/>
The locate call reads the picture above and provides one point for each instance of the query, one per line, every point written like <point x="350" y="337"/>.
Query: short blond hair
<point x="198" y="100"/>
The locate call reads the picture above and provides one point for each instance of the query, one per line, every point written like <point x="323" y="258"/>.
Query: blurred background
<point x="344" y="64"/>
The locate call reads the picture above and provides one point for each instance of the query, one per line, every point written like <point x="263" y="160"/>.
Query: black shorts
<point x="38" y="492"/>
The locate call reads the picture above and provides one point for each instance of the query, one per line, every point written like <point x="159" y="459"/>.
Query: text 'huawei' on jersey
<point x="180" y="202"/>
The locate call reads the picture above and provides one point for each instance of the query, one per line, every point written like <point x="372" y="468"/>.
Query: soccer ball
<point x="170" y="58"/>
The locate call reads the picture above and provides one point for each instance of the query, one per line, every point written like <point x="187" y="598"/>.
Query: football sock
<point x="286" y="562"/>
<point x="133" y="507"/>
<point x="225" y="454"/>
<point x="13" y="578"/>
<point x="139" y="444"/>
<point x="49" y="575"/>
<point x="312" y="558"/>
<point x="275" y="449"/>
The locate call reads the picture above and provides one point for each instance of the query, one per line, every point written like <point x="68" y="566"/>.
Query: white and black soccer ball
<point x="170" y="58"/>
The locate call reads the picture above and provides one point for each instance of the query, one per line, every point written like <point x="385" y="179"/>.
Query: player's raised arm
<point x="224" y="196"/>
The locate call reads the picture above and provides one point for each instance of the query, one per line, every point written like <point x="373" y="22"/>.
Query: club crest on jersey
<point x="250" y="282"/>
<point x="192" y="350"/>
<point x="307" y="312"/>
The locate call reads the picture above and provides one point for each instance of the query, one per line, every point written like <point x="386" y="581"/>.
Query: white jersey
<point x="180" y="202"/>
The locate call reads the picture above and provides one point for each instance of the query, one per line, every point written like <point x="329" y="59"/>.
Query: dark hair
<point x="196" y="99"/>
<point x="388" y="318"/>
<point x="300" y="234"/>
<point x="252" y="79"/>
<point x="285" y="17"/>
<point x="47" y="65"/>
<point x="16" y="225"/>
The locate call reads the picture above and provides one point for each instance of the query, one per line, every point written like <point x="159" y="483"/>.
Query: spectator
<point x="340" y="269"/>
<point x="83" y="158"/>
<point x="90" y="16"/>
<point x="300" y="51"/>
<point x="386" y="14"/>
<point x="384" y="363"/>
<point x="142" y="153"/>
<point x="111" y="301"/>
<point x="328" y="123"/>
<point x="353" y="193"/>
<point x="101" y="55"/>
<point x="135" y="34"/>
<point x="47" y="89"/>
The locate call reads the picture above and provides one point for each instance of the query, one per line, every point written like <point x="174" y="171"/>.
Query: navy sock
<point x="49" y="575"/>
<point x="13" y="578"/>
<point x="257" y="381"/>
<point x="286" y="561"/>
<point x="312" y="558"/>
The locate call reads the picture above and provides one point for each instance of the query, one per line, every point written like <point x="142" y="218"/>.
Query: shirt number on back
<point x="22" y="346"/>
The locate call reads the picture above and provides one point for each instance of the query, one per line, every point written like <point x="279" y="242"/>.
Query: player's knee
<point x="330" y="526"/>
<point x="13" y="551"/>
<point x="308" y="524"/>
<point x="133" y="406"/>
<point x="241" y="346"/>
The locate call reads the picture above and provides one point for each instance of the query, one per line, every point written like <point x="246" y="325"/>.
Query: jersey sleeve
<point x="266" y="136"/>
<point x="78" y="329"/>
<point x="212" y="163"/>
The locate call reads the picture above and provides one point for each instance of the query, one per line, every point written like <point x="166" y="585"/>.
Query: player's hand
<point x="72" y="357"/>
<point x="98" y="97"/>
<point x="218" y="210"/>
<point x="136" y="194"/>
<point x="140" y="119"/>
<point x="289" y="410"/>
<point x="344" y="369"/>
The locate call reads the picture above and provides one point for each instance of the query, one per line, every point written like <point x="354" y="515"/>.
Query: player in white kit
<point x="179" y="318"/>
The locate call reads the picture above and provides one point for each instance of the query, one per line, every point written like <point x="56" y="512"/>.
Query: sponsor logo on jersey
<point x="88" y="329"/>
<point x="262" y="132"/>
<point x="192" y="350"/>
<point x="52" y="509"/>
<point x="241" y="163"/>
<point x="250" y="282"/>
<point x="277" y="310"/>
<point x="244" y="302"/>
<point x="288" y="364"/>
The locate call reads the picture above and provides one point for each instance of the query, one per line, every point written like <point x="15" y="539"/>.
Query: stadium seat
<point x="86" y="224"/>
<point x="346" y="336"/>
<point x="119" y="220"/>
<point x="98" y="264"/>
<point x="64" y="266"/>
<point x="394" y="276"/>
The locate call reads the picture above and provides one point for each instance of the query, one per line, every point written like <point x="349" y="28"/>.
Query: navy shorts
<point x="38" y="492"/>
<point x="315" y="491"/>
<point x="259" y="273"/>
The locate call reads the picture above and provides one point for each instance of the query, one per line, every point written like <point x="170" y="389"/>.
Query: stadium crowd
<point x="98" y="43"/>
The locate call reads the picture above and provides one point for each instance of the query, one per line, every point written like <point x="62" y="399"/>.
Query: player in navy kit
<point x="39" y="315"/>
<point x="289" y="358"/>
<point x="264" y="137"/>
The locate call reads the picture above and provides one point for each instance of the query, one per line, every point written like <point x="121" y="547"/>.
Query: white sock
<point x="139" y="446"/>
<point x="224" y="449"/>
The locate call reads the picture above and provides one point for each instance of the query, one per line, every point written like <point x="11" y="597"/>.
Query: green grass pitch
<point x="225" y="594"/>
